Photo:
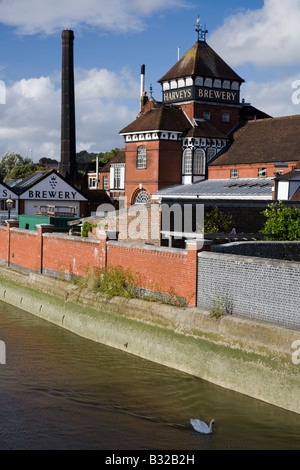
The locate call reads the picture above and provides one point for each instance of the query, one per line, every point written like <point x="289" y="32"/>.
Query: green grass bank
<point x="251" y="358"/>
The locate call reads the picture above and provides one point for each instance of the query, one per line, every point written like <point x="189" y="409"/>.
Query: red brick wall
<point x="168" y="271"/>
<point x="4" y="244"/>
<point x="159" y="270"/>
<point x="244" y="171"/>
<point x="163" y="167"/>
<point x="71" y="255"/>
<point x="195" y="110"/>
<point x="25" y="249"/>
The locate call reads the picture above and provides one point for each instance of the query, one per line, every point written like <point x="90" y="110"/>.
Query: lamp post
<point x="9" y="205"/>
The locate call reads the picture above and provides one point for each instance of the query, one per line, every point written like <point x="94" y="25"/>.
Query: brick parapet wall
<point x="257" y="288"/>
<point x="168" y="271"/>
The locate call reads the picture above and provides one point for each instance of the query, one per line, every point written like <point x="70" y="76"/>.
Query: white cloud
<point x="264" y="37"/>
<point x="36" y="16"/>
<point x="274" y="97"/>
<point x="30" y="120"/>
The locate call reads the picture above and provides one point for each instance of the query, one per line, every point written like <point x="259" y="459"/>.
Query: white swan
<point x="202" y="427"/>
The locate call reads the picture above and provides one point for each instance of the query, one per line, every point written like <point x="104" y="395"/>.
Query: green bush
<point x="116" y="281"/>
<point x="282" y="222"/>
<point x="86" y="228"/>
<point x="215" y="221"/>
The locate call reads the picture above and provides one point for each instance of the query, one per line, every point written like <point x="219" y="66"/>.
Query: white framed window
<point x="234" y="173"/>
<point x="141" y="161"/>
<point x="262" y="172"/>
<point x="199" y="162"/>
<point x="187" y="162"/>
<point x="117" y="177"/>
<point x="142" y="197"/>
<point x="92" y="182"/>
<point x="105" y="182"/>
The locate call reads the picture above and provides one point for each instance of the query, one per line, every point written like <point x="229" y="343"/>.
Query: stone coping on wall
<point x="24" y="230"/>
<point x="71" y="237"/>
<point x="250" y="259"/>
<point x="141" y="246"/>
<point x="280" y="250"/>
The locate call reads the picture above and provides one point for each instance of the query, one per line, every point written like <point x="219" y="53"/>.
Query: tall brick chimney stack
<point x="68" y="165"/>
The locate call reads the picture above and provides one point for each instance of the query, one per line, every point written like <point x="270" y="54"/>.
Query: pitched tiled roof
<point x="118" y="158"/>
<point x="203" y="129"/>
<point x="264" y="141"/>
<point x="201" y="60"/>
<point x="159" y="119"/>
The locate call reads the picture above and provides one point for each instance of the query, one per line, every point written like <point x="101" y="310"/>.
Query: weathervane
<point x="201" y="32"/>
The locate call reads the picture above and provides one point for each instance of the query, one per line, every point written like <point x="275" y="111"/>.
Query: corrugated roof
<point x="201" y="60"/>
<point x="242" y="188"/>
<point x="264" y="141"/>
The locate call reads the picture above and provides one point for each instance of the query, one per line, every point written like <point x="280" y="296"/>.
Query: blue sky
<point x="259" y="39"/>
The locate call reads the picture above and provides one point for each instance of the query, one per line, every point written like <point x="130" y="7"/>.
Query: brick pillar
<point x="103" y="237"/>
<point x="41" y="229"/>
<point x="193" y="247"/>
<point x="12" y="223"/>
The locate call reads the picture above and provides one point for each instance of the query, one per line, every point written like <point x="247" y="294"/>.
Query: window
<point x="187" y="162"/>
<point x="262" y="172"/>
<point x="117" y="177"/>
<point x="206" y="115"/>
<point x="210" y="154"/>
<point x="141" y="161"/>
<point x="199" y="162"/>
<point x="105" y="182"/>
<point x="92" y="182"/>
<point x="226" y="117"/>
<point x="234" y="173"/>
<point x="142" y="197"/>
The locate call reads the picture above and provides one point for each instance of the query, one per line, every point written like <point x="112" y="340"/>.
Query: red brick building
<point x="172" y="142"/>
<point x="261" y="148"/>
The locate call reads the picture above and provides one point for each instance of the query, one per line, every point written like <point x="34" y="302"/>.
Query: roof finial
<point x="201" y="32"/>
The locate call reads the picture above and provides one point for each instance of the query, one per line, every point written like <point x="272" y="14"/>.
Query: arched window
<point x="142" y="197"/>
<point x="187" y="162"/>
<point x="141" y="161"/>
<point x="199" y="162"/>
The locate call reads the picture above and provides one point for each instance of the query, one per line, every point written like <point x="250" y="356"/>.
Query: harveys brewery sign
<point x="197" y="93"/>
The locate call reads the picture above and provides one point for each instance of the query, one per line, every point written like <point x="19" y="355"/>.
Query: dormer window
<point x="206" y="115"/>
<point x="208" y="82"/>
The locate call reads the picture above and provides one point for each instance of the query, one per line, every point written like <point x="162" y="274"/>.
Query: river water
<point x="60" y="391"/>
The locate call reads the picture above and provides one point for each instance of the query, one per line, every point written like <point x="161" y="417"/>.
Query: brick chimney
<point x="68" y="166"/>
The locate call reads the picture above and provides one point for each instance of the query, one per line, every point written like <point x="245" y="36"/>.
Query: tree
<point x="13" y="166"/>
<point x="109" y="155"/>
<point x="8" y="162"/>
<point x="216" y="221"/>
<point x="282" y="222"/>
<point x="23" y="170"/>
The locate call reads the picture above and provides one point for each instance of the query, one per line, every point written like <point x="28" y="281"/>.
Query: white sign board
<point x="5" y="193"/>
<point x="53" y="188"/>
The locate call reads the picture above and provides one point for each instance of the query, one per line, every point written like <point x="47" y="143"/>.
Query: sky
<point x="259" y="39"/>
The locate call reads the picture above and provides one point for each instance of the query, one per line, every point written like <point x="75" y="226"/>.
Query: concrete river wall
<point x="252" y="358"/>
